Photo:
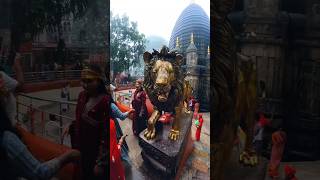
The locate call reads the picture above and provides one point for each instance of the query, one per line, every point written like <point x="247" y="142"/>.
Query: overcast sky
<point x="155" y="17"/>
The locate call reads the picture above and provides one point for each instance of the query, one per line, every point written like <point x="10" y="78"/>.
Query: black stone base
<point x="162" y="153"/>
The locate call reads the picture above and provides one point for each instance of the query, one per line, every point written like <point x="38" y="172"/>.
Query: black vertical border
<point x="212" y="27"/>
<point x="107" y="73"/>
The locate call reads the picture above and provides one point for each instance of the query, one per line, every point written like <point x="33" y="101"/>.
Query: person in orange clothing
<point x="116" y="167"/>
<point x="198" y="124"/>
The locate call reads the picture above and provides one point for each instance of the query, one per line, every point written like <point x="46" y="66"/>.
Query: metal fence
<point x="45" y="76"/>
<point x="45" y="117"/>
<point x="124" y="98"/>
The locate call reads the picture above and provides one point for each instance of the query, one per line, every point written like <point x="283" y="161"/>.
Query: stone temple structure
<point x="191" y="36"/>
<point x="283" y="39"/>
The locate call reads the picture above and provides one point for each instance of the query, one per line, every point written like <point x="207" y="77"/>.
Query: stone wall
<point x="286" y="49"/>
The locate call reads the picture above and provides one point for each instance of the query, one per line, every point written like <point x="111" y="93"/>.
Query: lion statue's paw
<point x="248" y="158"/>
<point x="150" y="133"/>
<point x="174" y="134"/>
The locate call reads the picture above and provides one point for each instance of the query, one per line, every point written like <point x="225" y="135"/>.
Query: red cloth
<point x="290" y="172"/>
<point x="90" y="135"/>
<point x="116" y="167"/>
<point x="165" y="118"/>
<point x="263" y="121"/>
<point x="278" y="144"/>
<point x="198" y="131"/>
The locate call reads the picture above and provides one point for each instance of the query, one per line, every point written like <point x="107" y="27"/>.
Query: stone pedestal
<point x="165" y="155"/>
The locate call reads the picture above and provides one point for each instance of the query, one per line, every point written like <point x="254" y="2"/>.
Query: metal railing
<point x="45" y="76"/>
<point x="41" y="115"/>
<point x="33" y="114"/>
<point x="125" y="86"/>
<point x="123" y="97"/>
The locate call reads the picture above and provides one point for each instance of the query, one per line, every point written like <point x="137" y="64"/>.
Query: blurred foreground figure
<point x="15" y="158"/>
<point x="116" y="167"/>
<point x="88" y="131"/>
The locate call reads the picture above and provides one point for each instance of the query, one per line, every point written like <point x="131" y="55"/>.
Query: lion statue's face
<point x="161" y="73"/>
<point x="164" y="76"/>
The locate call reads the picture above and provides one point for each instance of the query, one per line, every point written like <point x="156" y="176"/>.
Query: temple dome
<point x="193" y="19"/>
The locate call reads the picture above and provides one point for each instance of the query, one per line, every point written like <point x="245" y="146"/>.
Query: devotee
<point x="16" y="160"/>
<point x="88" y="131"/>
<point x="139" y="105"/>
<point x="12" y="86"/>
<point x="100" y="169"/>
<point x="196" y="110"/>
<point x="112" y="89"/>
<point x="279" y="139"/>
<point x="192" y="102"/>
<point x="259" y="131"/>
<point x="116" y="167"/>
<point x="117" y="114"/>
<point x="65" y="96"/>
<point x="198" y="123"/>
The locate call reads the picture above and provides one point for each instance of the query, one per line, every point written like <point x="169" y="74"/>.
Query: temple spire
<point x="192" y="40"/>
<point x="177" y="43"/>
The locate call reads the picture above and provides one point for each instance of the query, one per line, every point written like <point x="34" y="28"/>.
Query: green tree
<point x="126" y="43"/>
<point x="92" y="31"/>
<point x="34" y="16"/>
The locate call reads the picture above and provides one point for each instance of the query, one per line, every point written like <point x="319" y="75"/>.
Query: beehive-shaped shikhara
<point x="193" y="19"/>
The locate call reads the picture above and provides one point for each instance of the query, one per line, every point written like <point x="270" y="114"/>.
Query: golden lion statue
<point x="246" y="106"/>
<point x="166" y="88"/>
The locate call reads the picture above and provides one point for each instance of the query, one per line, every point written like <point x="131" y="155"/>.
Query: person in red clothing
<point x="116" y="167"/>
<point x="196" y="110"/>
<point x="192" y="102"/>
<point x="140" y="107"/>
<point x="259" y="132"/>
<point x="89" y="130"/>
<point x="198" y="124"/>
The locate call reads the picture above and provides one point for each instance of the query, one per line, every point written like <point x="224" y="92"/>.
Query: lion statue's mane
<point x="176" y="92"/>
